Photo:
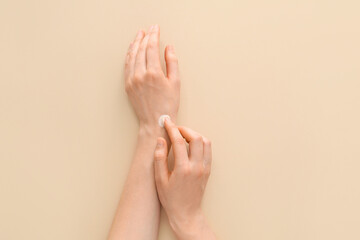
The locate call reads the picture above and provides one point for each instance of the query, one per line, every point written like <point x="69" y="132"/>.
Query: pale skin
<point x="149" y="183"/>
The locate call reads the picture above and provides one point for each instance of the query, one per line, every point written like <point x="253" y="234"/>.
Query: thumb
<point x="160" y="162"/>
<point x="172" y="67"/>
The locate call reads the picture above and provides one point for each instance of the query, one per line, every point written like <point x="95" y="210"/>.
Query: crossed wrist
<point x="150" y="129"/>
<point x="153" y="128"/>
<point x="189" y="228"/>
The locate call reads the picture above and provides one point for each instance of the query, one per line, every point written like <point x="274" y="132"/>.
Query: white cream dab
<point x="162" y="120"/>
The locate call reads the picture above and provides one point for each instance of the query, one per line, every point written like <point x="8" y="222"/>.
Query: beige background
<point x="274" y="84"/>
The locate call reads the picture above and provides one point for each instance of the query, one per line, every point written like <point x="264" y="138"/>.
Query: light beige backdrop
<point x="274" y="84"/>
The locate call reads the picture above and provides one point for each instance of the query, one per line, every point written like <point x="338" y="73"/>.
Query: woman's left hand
<point x="151" y="92"/>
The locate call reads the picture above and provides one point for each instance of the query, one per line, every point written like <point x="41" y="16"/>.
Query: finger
<point x="127" y="61"/>
<point x="207" y="155"/>
<point x="160" y="162"/>
<point x="195" y="140"/>
<point x="131" y="55"/>
<point x="128" y="67"/>
<point x="140" y="62"/>
<point x="172" y="68"/>
<point x="152" y="54"/>
<point x="178" y="142"/>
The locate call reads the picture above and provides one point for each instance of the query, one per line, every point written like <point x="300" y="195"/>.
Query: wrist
<point x="153" y="132"/>
<point x="149" y="129"/>
<point x="188" y="228"/>
<point x="153" y="129"/>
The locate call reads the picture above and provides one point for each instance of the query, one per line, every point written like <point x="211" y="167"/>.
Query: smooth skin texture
<point x="151" y="93"/>
<point x="181" y="190"/>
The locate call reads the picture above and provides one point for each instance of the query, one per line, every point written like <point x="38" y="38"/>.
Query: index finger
<point x="178" y="142"/>
<point x="152" y="50"/>
<point x="195" y="141"/>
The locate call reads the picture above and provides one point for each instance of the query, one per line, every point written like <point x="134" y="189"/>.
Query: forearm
<point x="151" y="93"/>
<point x="138" y="213"/>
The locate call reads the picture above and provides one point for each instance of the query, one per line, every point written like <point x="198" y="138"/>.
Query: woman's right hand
<point x="181" y="191"/>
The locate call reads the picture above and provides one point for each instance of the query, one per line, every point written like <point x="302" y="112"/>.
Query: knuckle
<point x="208" y="172"/>
<point x="179" y="141"/>
<point x="152" y="74"/>
<point x="127" y="87"/>
<point x="132" y="53"/>
<point x="198" y="138"/>
<point x="200" y="171"/>
<point x="177" y="82"/>
<point x="186" y="170"/>
<point x="137" y="85"/>
<point x="142" y="47"/>
<point x="138" y="78"/>
<point x="207" y="142"/>
<point x="131" y="56"/>
<point x="152" y="44"/>
<point x="159" y="155"/>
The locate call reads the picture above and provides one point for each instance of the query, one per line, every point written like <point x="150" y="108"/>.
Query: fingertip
<point x="157" y="31"/>
<point x="139" y="34"/>
<point x="167" y="122"/>
<point x="156" y="27"/>
<point x="170" y="48"/>
<point x="167" y="125"/>
<point x="151" y="28"/>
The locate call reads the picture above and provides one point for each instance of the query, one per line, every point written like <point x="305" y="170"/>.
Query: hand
<point x="151" y="93"/>
<point x="181" y="191"/>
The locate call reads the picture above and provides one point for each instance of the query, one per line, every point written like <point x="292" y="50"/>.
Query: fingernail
<point x="151" y="28"/>
<point x="156" y="27"/>
<point x="167" y="120"/>
<point x="159" y="143"/>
